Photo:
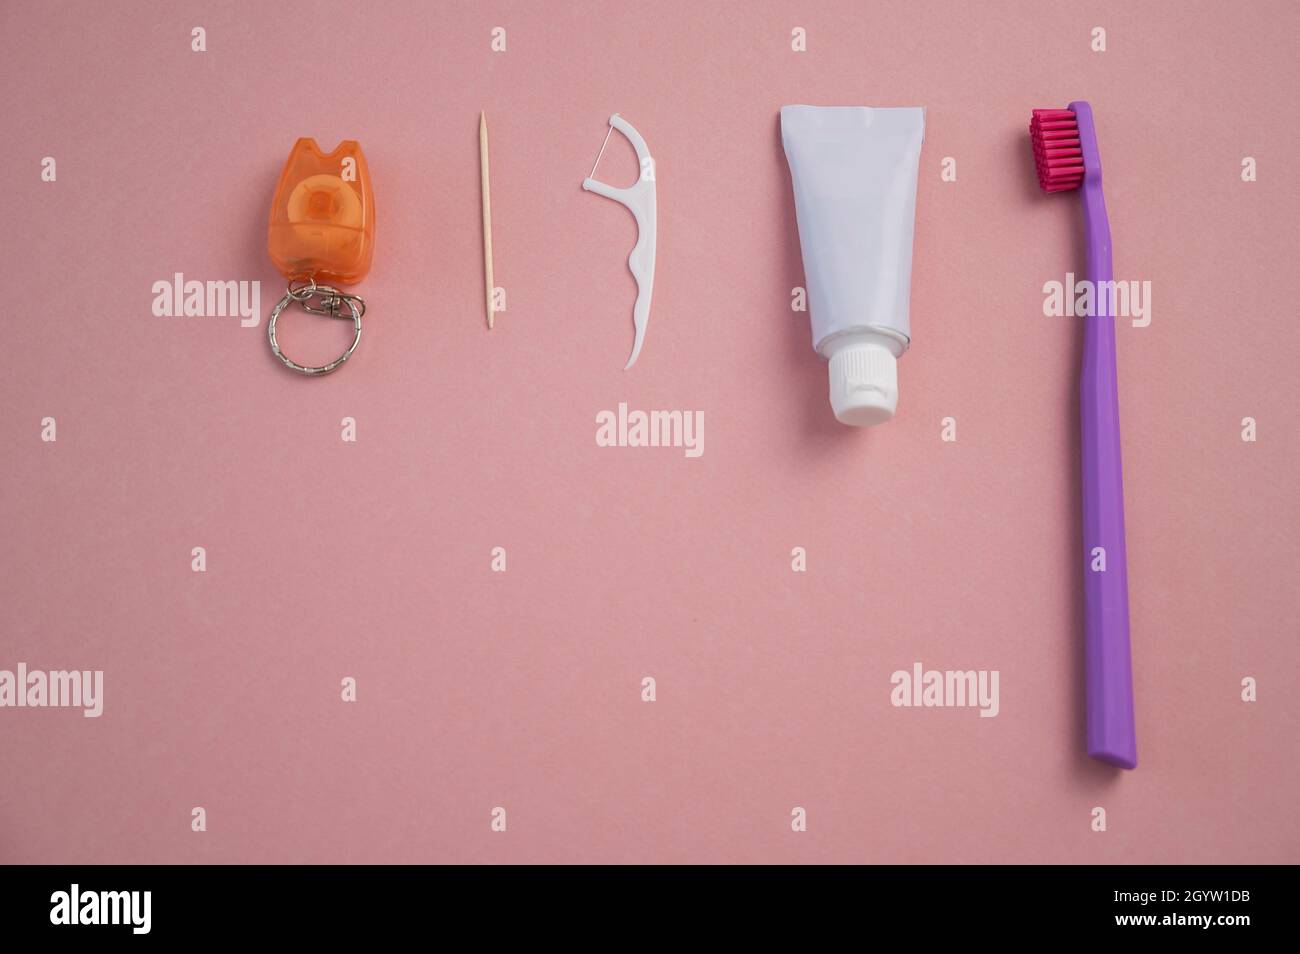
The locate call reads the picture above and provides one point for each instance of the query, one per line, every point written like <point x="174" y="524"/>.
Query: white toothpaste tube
<point x="854" y="172"/>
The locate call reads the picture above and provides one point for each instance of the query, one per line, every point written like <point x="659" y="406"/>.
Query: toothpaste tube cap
<point x="864" y="383"/>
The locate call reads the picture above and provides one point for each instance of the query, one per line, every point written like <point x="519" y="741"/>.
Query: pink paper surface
<point x="522" y="690"/>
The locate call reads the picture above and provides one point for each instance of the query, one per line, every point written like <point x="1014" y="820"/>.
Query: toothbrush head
<point x="1058" y="149"/>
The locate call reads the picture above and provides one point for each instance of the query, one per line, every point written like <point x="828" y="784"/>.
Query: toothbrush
<point x="1066" y="155"/>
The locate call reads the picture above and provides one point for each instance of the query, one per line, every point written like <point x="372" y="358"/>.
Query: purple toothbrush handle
<point x="1108" y="665"/>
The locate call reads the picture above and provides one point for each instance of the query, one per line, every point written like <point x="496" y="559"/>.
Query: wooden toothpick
<point x="487" y="212"/>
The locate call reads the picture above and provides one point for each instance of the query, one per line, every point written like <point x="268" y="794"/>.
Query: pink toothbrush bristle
<point x="1057" y="154"/>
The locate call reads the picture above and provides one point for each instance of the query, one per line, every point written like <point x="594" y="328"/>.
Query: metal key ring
<point x="332" y="298"/>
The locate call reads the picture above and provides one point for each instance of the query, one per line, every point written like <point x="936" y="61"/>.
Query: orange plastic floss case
<point x="322" y="233"/>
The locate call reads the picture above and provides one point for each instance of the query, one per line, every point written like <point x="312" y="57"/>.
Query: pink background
<point x="371" y="560"/>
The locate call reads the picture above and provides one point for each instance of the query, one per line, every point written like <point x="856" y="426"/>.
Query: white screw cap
<point x="864" y="384"/>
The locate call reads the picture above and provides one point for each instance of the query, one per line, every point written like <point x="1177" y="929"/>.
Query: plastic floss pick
<point x="640" y="200"/>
